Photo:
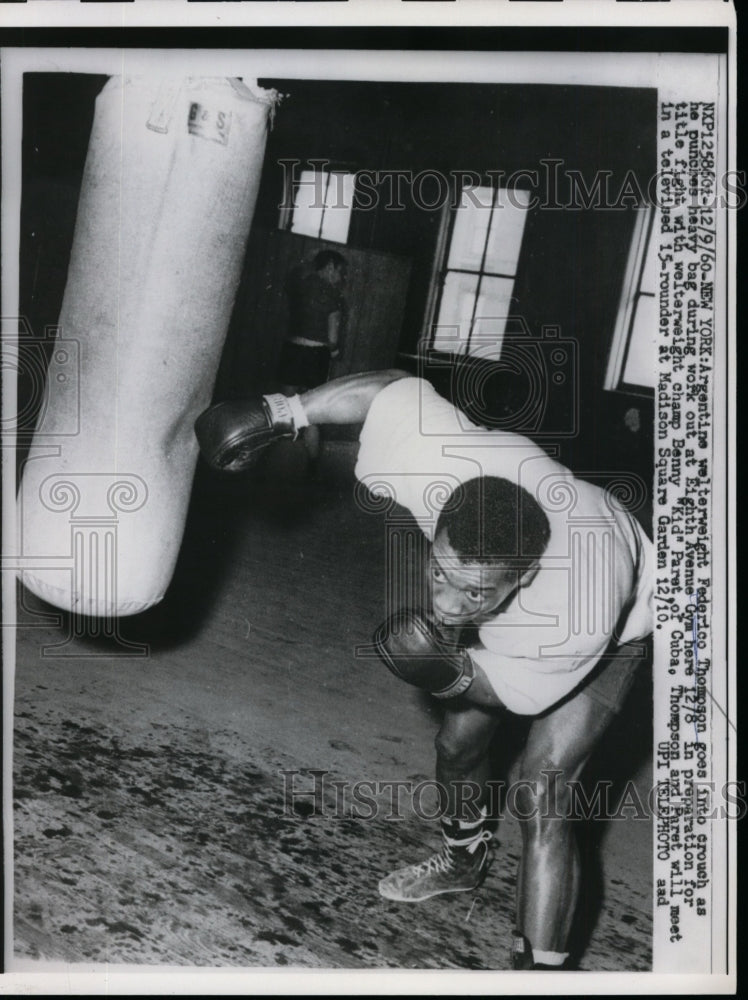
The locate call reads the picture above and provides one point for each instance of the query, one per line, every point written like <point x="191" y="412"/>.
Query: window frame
<point x="631" y="291"/>
<point x="293" y="182"/>
<point x="440" y="268"/>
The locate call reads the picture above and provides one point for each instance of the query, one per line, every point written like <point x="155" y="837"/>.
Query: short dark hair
<point x="491" y="520"/>
<point x="325" y="257"/>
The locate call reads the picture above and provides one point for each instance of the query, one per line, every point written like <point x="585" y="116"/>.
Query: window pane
<point x="455" y="312"/>
<point x="491" y="312"/>
<point x="309" y="203"/>
<point x="641" y="359"/>
<point x="507" y="227"/>
<point x="470" y="228"/>
<point x="338" y="207"/>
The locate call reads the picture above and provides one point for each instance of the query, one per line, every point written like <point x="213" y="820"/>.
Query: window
<point x="632" y="364"/>
<point x="477" y="280"/>
<point x="319" y="204"/>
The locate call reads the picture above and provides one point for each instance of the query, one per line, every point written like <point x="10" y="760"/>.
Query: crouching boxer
<point x="551" y="580"/>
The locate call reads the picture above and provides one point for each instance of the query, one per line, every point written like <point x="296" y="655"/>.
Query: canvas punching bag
<point x="167" y="197"/>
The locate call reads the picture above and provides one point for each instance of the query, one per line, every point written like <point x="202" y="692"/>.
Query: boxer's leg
<point x="311" y="439"/>
<point x="558" y="747"/>
<point x="462" y="765"/>
<point x="462" y="772"/>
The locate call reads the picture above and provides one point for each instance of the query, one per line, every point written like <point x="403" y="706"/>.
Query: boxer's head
<point x="331" y="267"/>
<point x="489" y="538"/>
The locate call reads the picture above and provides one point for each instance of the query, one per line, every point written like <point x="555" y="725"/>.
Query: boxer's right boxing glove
<point x="233" y="434"/>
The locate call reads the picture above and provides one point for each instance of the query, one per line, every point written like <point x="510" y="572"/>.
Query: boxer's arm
<point x="347" y="400"/>
<point x="233" y="434"/>
<point x="333" y="332"/>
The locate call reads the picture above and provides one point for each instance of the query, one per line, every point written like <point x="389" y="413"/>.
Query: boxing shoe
<point x="455" y="868"/>
<point x="232" y="435"/>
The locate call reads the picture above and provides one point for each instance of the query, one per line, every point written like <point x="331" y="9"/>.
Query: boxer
<point x="549" y="579"/>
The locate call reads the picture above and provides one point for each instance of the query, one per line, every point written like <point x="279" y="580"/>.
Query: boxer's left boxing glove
<point x="233" y="434"/>
<point x="413" y="649"/>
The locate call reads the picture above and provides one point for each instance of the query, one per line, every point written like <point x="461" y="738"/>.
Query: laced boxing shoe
<point x="458" y="867"/>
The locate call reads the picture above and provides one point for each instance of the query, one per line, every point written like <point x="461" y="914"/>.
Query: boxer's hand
<point x="412" y="648"/>
<point x="233" y="434"/>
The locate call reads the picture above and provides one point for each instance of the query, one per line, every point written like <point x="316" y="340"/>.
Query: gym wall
<point x="572" y="261"/>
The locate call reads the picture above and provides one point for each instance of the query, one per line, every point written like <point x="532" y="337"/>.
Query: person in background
<point x="317" y="318"/>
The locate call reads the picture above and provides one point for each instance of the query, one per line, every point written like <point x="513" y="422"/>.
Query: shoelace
<point x="443" y="860"/>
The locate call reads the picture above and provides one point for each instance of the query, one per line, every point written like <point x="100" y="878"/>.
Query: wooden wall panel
<point x="375" y="293"/>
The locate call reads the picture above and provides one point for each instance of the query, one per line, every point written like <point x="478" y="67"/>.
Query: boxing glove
<point x="414" y="650"/>
<point x="233" y="434"/>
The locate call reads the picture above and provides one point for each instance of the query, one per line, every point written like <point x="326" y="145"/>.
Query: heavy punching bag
<point x="166" y="202"/>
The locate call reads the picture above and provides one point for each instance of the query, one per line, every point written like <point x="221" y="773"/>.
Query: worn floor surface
<point x="153" y="821"/>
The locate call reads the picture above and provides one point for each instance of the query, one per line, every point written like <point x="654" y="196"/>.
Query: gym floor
<point x="152" y="822"/>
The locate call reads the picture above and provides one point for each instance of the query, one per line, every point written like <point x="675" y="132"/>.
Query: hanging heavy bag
<point x="165" y="207"/>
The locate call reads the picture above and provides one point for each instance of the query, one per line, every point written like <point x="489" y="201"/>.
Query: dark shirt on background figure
<point x="316" y="308"/>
